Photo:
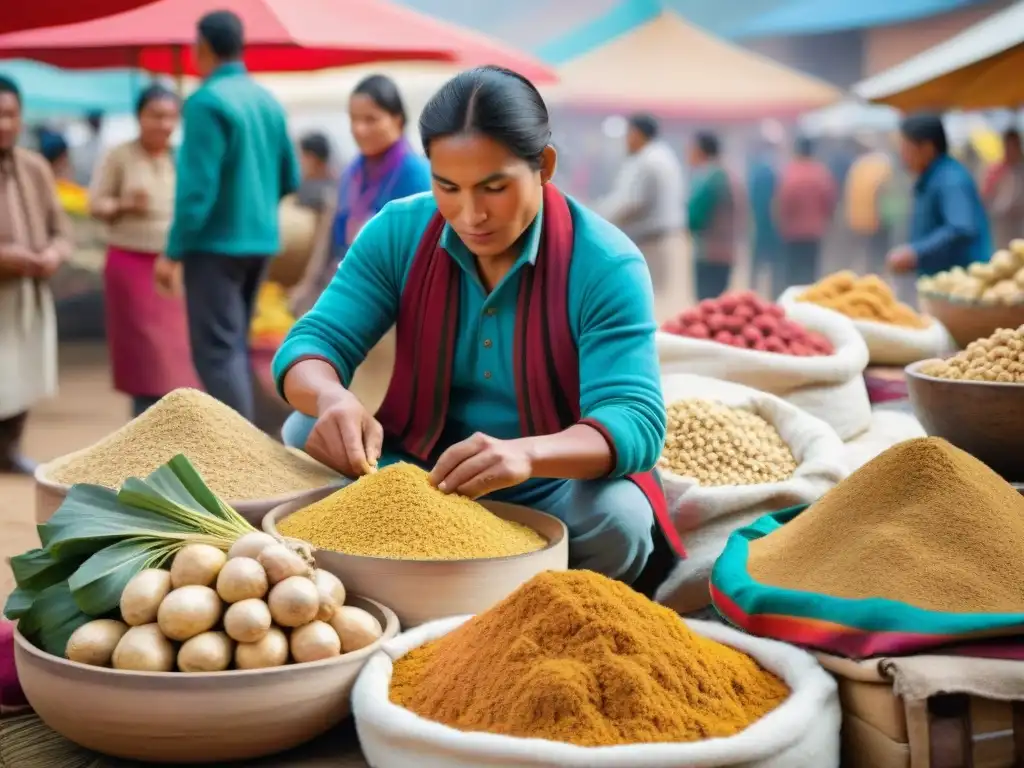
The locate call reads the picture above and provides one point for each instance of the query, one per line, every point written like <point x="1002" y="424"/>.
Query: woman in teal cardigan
<point x="525" y="363"/>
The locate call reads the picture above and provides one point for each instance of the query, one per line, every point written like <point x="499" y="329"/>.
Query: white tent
<point x="980" y="68"/>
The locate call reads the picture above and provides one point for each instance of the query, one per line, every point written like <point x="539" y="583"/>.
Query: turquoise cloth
<point x="611" y="308"/>
<point x="235" y="163"/>
<point x="609" y="521"/>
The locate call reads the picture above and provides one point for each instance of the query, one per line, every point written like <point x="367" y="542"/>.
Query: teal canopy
<point x="51" y="92"/>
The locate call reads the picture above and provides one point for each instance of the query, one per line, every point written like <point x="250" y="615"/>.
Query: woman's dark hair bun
<point x="154" y="92"/>
<point x="382" y="91"/>
<point x="492" y="101"/>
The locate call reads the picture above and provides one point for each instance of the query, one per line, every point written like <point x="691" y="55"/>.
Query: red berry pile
<point x="745" y="320"/>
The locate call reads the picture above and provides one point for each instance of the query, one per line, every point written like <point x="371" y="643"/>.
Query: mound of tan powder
<point x="573" y="656"/>
<point x="397" y="513"/>
<point x="236" y="460"/>
<point x="924" y="523"/>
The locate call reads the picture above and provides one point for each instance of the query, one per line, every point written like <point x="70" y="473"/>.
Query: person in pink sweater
<point x="805" y="202"/>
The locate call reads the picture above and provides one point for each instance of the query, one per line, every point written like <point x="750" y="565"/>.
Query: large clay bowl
<point x="172" y="717"/>
<point x="51" y="494"/>
<point x="423" y="590"/>
<point x="986" y="419"/>
<point x="969" y="321"/>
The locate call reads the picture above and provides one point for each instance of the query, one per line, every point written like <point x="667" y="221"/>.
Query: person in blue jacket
<point x="948" y="225"/>
<point x="525" y="369"/>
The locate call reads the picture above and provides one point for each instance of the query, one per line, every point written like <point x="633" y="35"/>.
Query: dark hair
<point x="224" y="32"/>
<point x="317" y="145"/>
<point x="1011" y="134"/>
<point x="495" y="102"/>
<point x="926" y="129"/>
<point x="383" y="91"/>
<point x="803" y="146"/>
<point x="7" y="85"/>
<point x="151" y="93"/>
<point x="707" y="143"/>
<point x="52" y="145"/>
<point x="647" y="125"/>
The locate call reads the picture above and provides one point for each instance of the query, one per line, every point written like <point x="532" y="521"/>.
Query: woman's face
<point x="487" y="194"/>
<point x="374" y="129"/>
<point x="158" y="121"/>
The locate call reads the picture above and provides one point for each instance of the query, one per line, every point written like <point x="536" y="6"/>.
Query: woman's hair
<point x="52" y="145"/>
<point x="494" y="102"/>
<point x="926" y="129"/>
<point x="7" y="85"/>
<point x="646" y="124"/>
<point x="708" y="144"/>
<point x="383" y="91"/>
<point x="154" y="92"/>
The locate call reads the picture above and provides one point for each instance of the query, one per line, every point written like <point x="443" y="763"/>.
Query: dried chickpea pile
<point x="719" y="445"/>
<point x="999" y="281"/>
<point x="862" y="298"/>
<point x="1000" y="358"/>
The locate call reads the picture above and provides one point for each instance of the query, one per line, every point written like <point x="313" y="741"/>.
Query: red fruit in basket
<point x="760" y="345"/>
<point x="775" y="344"/>
<point x="728" y="302"/>
<point x="774" y="310"/>
<point x="691" y="315"/>
<point x="716" y="322"/>
<point x="734" y="324"/>
<point x="673" y="326"/>
<point x="751" y="334"/>
<point x="766" y="324"/>
<point x="745" y="311"/>
<point x="723" y="337"/>
<point x="740" y="342"/>
<point x="698" y="331"/>
<point x="820" y="343"/>
<point x="800" y="350"/>
<point x="708" y="307"/>
<point x="789" y="331"/>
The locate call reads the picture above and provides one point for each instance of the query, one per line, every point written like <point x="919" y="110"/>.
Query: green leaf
<point x="52" y="619"/>
<point x="91" y="517"/>
<point x="19" y="602"/>
<point x="97" y="585"/>
<point x="38" y="569"/>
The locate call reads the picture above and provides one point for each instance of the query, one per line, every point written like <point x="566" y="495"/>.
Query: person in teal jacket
<point x="526" y="369"/>
<point x="235" y="164"/>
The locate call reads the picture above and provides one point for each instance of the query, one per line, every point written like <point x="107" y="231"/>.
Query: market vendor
<point x="526" y="368"/>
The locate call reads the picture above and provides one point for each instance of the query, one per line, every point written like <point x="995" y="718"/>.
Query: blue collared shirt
<point x="948" y="225"/>
<point x="611" y="315"/>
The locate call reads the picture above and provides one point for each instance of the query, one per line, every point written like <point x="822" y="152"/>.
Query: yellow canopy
<point x="668" y="66"/>
<point x="980" y="68"/>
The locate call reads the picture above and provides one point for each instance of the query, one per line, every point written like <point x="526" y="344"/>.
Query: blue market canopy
<point x="50" y="91"/>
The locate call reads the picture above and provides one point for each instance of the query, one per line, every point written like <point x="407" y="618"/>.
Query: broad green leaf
<point x="52" y="619"/>
<point x="19" y="602"/>
<point x="38" y="569"/>
<point x="97" y="585"/>
<point x="91" y="517"/>
<point x="193" y="482"/>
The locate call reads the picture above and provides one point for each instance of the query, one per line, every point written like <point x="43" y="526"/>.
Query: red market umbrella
<point x="49" y="13"/>
<point x="281" y="36"/>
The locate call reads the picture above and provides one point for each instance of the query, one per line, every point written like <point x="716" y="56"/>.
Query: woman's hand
<point x="482" y="465"/>
<point x="346" y="437"/>
<point x="167" y="277"/>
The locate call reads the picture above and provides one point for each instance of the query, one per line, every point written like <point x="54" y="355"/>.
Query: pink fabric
<point x="805" y="200"/>
<point x="147" y="333"/>
<point x="12" y="699"/>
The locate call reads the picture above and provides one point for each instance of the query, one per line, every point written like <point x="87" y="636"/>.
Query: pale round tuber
<point x="271" y="651"/>
<point x="356" y="628"/>
<point x="242" y="578"/>
<point x="208" y="652"/>
<point x="144" y="649"/>
<point x="196" y="564"/>
<point x="251" y="544"/>
<point x="94" y="643"/>
<point x="188" y="612"/>
<point x="142" y="596"/>
<point x="314" y="641"/>
<point x="247" y="621"/>
<point x="294" y="602"/>
<point x="282" y="563"/>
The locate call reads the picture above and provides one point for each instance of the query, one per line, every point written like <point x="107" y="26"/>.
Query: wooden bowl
<point x="173" y="717"/>
<point x="969" y="321"/>
<point x="984" y="418"/>
<point x="423" y="590"/>
<point x="51" y="494"/>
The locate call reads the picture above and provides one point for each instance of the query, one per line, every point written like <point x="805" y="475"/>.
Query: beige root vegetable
<point x="208" y="652"/>
<point x="142" y="596"/>
<point x="251" y="545"/>
<point x="314" y="641"/>
<point x="282" y="563"/>
<point x="188" y="612"/>
<point x="242" y="578"/>
<point x="197" y="564"/>
<point x="247" y="621"/>
<point x="330" y="586"/>
<point x="144" y="649"/>
<point x="94" y="643"/>
<point x="271" y="651"/>
<point x="356" y="628"/>
<point x="294" y="602"/>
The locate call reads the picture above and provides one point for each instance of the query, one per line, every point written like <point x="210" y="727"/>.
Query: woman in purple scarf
<point x="386" y="169"/>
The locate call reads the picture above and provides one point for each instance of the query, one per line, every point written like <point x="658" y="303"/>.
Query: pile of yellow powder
<point x="396" y="513"/>
<point x="236" y="460"/>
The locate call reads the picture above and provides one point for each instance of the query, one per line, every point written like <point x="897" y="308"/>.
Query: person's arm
<point x="958" y="228"/>
<point x="622" y="425"/>
<point x="105" y="189"/>
<point x="324" y="348"/>
<point x="624" y="203"/>
<point x="200" y="159"/>
<point x="291" y="173"/>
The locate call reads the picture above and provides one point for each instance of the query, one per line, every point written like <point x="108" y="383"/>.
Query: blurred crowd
<point x="898" y="206"/>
